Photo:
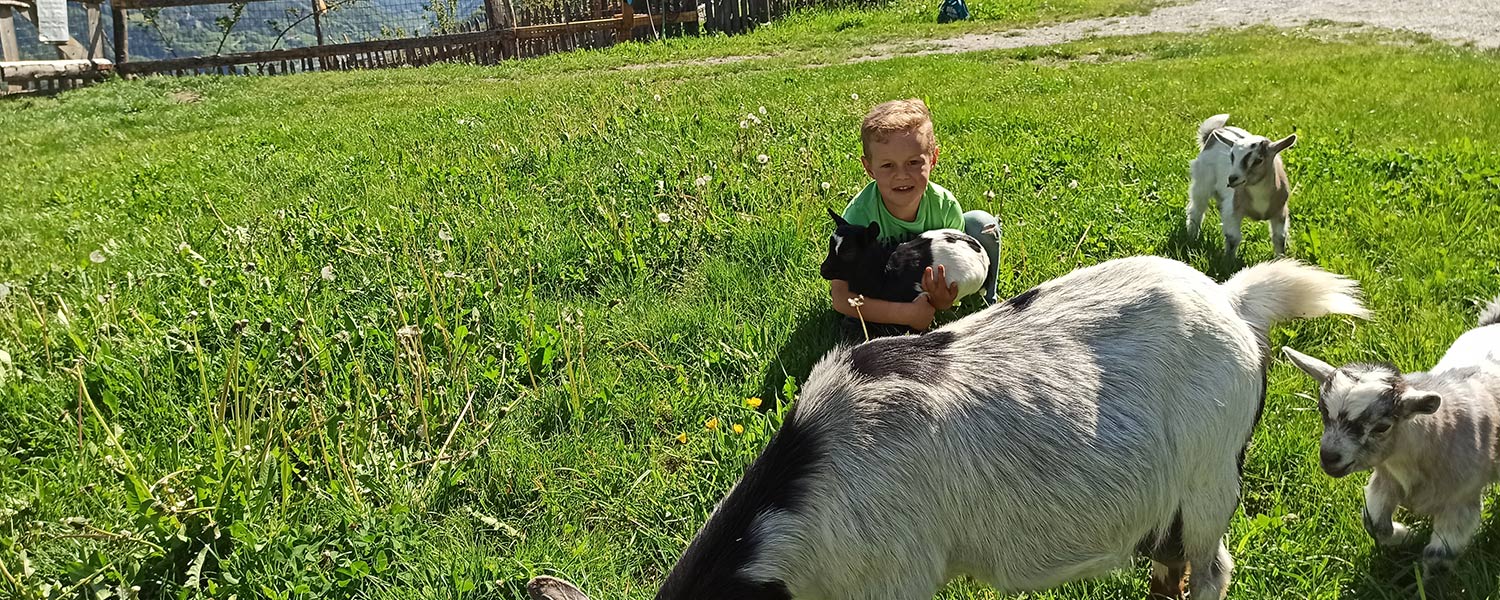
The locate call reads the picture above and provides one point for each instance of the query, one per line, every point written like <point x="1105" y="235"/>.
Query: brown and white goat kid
<point x="1245" y="172"/>
<point x="1432" y="438"/>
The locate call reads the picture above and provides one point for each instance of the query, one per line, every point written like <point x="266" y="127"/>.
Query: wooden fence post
<point x="122" y="41"/>
<point x="627" y="21"/>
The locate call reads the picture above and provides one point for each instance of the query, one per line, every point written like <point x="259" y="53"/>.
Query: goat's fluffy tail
<point x="1491" y="313"/>
<point x="1279" y="290"/>
<point x="1209" y="126"/>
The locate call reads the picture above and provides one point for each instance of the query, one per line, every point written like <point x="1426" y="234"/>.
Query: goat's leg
<point x="1230" y="220"/>
<point x="1452" y="529"/>
<point x="1278" y="234"/>
<point x="1205" y="518"/>
<point x="1167" y="580"/>
<point x="1382" y="495"/>
<point x="1199" y="192"/>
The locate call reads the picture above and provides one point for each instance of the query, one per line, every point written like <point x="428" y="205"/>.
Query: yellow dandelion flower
<point x="738" y="429"/>
<point x="752" y="402"/>
<point x="711" y="423"/>
<point x="682" y="438"/>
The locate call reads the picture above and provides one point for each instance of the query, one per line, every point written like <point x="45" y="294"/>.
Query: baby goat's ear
<point x="1283" y="143"/>
<point x="836" y="218"/>
<point x="1317" y="369"/>
<point x="552" y="588"/>
<point x="1418" y="402"/>
<point x="872" y="232"/>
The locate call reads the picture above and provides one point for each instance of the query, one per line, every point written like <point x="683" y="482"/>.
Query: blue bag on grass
<point x="953" y="10"/>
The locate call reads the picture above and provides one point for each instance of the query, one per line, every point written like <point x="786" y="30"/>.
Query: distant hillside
<point x="200" y="30"/>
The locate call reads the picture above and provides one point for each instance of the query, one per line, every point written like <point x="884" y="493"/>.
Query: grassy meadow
<point x="427" y="333"/>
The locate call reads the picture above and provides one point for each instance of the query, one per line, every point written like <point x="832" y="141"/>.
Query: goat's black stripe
<point x="777" y="481"/>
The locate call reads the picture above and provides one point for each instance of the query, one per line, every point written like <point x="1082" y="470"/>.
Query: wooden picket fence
<point x="504" y="31"/>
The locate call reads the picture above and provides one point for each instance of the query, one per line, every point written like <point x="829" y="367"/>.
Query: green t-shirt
<point x="938" y="210"/>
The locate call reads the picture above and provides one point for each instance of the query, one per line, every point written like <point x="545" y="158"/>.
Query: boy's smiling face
<point x="901" y="164"/>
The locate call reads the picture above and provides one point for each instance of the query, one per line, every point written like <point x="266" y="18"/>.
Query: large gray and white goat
<point x="1052" y="437"/>
<point x="1432" y="438"/>
<point x="1244" y="171"/>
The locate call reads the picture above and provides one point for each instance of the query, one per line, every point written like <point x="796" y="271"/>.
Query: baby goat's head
<point x="1362" y="406"/>
<point x="846" y="247"/>
<point x="1252" y="158"/>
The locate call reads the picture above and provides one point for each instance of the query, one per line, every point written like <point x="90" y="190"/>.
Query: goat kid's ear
<point x="1419" y="402"/>
<point x="552" y="588"/>
<point x="836" y="218"/>
<point x="1283" y="143"/>
<point x="1317" y="369"/>
<point x="872" y="232"/>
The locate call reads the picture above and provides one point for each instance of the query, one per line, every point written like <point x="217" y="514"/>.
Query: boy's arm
<point x="917" y="314"/>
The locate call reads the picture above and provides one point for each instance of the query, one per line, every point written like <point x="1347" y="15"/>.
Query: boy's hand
<point x="922" y="313"/>
<point x="939" y="292"/>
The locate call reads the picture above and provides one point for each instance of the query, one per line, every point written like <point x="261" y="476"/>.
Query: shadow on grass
<point x="815" y="331"/>
<point x="1205" y="252"/>
<point x="1392" y="573"/>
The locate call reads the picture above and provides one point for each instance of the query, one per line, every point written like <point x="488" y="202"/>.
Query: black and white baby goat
<point x="1432" y="438"/>
<point x="1050" y="438"/>
<point x="894" y="273"/>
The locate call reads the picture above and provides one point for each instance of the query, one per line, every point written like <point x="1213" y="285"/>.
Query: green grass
<point x="501" y="286"/>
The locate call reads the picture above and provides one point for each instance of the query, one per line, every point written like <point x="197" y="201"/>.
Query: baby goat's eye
<point x="1380" y="429"/>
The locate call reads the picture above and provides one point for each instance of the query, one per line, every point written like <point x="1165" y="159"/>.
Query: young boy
<point x="900" y="151"/>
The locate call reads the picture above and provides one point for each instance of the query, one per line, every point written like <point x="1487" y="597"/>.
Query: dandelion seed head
<point x="326" y="273"/>
<point x="97" y="257"/>
<point x="762" y="159"/>
<point x="664" y="217"/>
<point x="825" y="185"/>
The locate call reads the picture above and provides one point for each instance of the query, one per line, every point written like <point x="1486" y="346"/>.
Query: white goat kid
<point x="1433" y="439"/>
<point x="1244" y="171"/>
<point x="1049" y="438"/>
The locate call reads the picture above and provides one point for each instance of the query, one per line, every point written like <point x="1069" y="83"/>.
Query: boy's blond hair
<point x="897" y="115"/>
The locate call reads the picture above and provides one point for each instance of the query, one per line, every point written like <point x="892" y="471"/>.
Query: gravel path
<point x="1475" y="22"/>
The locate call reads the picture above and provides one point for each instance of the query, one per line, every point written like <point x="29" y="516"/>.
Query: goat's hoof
<point x="1437" y="560"/>
<point x="1399" y="535"/>
<point x="551" y="588"/>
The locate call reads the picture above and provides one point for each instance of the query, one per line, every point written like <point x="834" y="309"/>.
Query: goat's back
<point x="1032" y="443"/>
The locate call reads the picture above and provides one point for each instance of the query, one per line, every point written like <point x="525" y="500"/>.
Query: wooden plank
<point x="31" y="70"/>
<point x="95" y="39"/>
<point x="10" y="48"/>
